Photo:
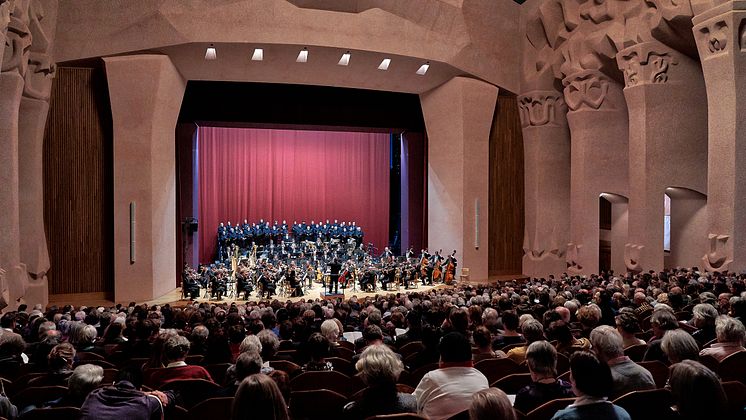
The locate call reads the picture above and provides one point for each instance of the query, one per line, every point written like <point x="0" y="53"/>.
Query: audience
<point x="490" y="404"/>
<point x="258" y="397"/>
<point x="627" y="376"/>
<point x="541" y="359"/>
<point x="592" y="383"/>
<point x="661" y="321"/>
<point x="697" y="391"/>
<point x="175" y="350"/>
<point x="483" y="341"/>
<point x="379" y="368"/>
<point x="448" y="390"/>
<point x="730" y="338"/>
<point x="532" y="331"/>
<point x="679" y="345"/>
<point x="628" y="325"/>
<point x="124" y="400"/>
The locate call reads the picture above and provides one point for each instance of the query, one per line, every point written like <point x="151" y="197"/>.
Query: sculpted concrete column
<point x="12" y="73"/>
<point x="664" y="91"/>
<point x="33" y="118"/>
<point x="458" y="116"/>
<point x="721" y="41"/>
<point x="546" y="146"/>
<point x="6" y="7"/>
<point x="598" y="127"/>
<point x="146" y="93"/>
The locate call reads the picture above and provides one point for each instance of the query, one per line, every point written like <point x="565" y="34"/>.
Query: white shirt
<point x="444" y="392"/>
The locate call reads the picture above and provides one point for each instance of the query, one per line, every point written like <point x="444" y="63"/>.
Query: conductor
<point x="334" y="268"/>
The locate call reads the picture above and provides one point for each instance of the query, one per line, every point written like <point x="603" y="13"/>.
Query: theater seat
<point x="321" y="404"/>
<point x="216" y="408"/>
<point x="38" y="395"/>
<point x="495" y="369"/>
<point x="736" y="393"/>
<point x="191" y="391"/>
<point x="652" y="403"/>
<point x="331" y="380"/>
<point x="286" y="366"/>
<point x="511" y="384"/>
<point x="636" y="352"/>
<point x="658" y="369"/>
<point x="400" y="416"/>
<point x="733" y="367"/>
<point x="57" y="413"/>
<point x="546" y="411"/>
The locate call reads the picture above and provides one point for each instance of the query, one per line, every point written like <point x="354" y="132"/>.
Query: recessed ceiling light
<point x="258" y="55"/>
<point x="423" y="69"/>
<point x="302" y="56"/>
<point x="345" y="60"/>
<point x="384" y="64"/>
<point x="211" y="53"/>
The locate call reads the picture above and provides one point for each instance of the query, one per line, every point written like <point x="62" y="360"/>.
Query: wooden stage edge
<point x="174" y="296"/>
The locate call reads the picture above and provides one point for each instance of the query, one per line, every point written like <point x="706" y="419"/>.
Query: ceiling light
<point x="384" y="64"/>
<point x="423" y="69"/>
<point x="302" y="56"/>
<point x="345" y="60"/>
<point x="258" y="55"/>
<point x="211" y="53"/>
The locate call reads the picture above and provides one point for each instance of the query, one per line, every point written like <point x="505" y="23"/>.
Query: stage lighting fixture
<point x="302" y="56"/>
<point x="211" y="53"/>
<point x="345" y="60"/>
<point x="384" y="64"/>
<point x="423" y="69"/>
<point x="258" y="55"/>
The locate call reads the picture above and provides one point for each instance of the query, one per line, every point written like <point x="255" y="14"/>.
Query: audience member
<point x="626" y="375"/>
<point x="379" y="368"/>
<point x="697" y="391"/>
<point x="448" y="390"/>
<point x="592" y="383"/>
<point x="175" y="351"/>
<point x="483" y="340"/>
<point x="124" y="400"/>
<point x="489" y="404"/>
<point x="258" y="397"/>
<point x="628" y="325"/>
<point x="730" y="335"/>
<point x="532" y="331"/>
<point x="679" y="345"/>
<point x="541" y="359"/>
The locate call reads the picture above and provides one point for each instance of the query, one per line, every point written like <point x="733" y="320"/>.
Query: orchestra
<point x="272" y="260"/>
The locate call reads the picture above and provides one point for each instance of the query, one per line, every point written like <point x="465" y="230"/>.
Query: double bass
<point x="450" y="271"/>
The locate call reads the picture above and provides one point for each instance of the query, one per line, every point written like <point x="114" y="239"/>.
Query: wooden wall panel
<point x="506" y="213"/>
<point x="78" y="183"/>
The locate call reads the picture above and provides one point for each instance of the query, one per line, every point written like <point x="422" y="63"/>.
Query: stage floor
<point x="174" y="296"/>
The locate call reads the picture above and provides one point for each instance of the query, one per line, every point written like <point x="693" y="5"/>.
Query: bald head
<point x="563" y="312"/>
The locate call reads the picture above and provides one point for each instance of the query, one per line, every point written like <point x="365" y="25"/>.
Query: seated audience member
<point x="661" y="321"/>
<point x="510" y="333"/>
<point x="483" y="341"/>
<point x="84" y="379"/>
<point x="730" y="334"/>
<point x="124" y="400"/>
<point x="541" y="359"/>
<point x="11" y="353"/>
<point x="703" y="317"/>
<point x="270" y="345"/>
<point x="532" y="331"/>
<point x="258" y="397"/>
<point x="448" y="390"/>
<point x="318" y="350"/>
<point x="679" y="345"/>
<point x="592" y="384"/>
<point x="627" y="325"/>
<point x="248" y="363"/>
<point x="175" y="351"/>
<point x="567" y="344"/>
<point x="589" y="317"/>
<point x="330" y="330"/>
<point x="489" y="404"/>
<point x="697" y="391"/>
<point x="48" y="337"/>
<point x="60" y="364"/>
<point x="198" y="340"/>
<point x="282" y="379"/>
<point x="627" y="376"/>
<point x="379" y="368"/>
<point x="86" y="339"/>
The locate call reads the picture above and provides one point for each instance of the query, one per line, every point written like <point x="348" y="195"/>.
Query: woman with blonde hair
<point x="379" y="368"/>
<point x="489" y="404"/>
<point x="258" y="397"/>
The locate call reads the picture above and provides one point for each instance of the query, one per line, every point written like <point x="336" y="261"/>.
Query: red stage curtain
<point x="292" y="175"/>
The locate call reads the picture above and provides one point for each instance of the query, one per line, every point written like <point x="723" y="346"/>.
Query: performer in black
<point x="243" y="284"/>
<point x="189" y="282"/>
<point x="219" y="287"/>
<point x="268" y="283"/>
<point x="293" y="281"/>
<point x="334" y="268"/>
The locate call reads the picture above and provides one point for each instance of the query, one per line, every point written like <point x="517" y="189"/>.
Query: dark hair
<point x="560" y="331"/>
<point x="459" y="320"/>
<point x="591" y="377"/>
<point x="259" y="397"/>
<point x="318" y="346"/>
<point x="372" y="333"/>
<point x="482" y="336"/>
<point x="510" y="320"/>
<point x="248" y="363"/>
<point x="454" y="347"/>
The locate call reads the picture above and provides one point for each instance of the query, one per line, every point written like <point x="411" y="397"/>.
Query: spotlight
<point x="423" y="69"/>
<point x="345" y="60"/>
<point x="302" y="56"/>
<point x="211" y="53"/>
<point x="384" y="64"/>
<point x="258" y="55"/>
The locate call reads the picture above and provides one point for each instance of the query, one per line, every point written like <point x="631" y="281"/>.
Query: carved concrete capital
<point x="541" y="107"/>
<point x="5" y="8"/>
<point x="18" y="39"/>
<point x="587" y="90"/>
<point x="572" y="258"/>
<point x="646" y="63"/>
<point x="721" y="30"/>
<point x="717" y="258"/>
<point x="632" y="253"/>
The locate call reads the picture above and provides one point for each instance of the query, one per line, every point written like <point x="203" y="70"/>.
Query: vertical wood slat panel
<point x="506" y="212"/>
<point x="77" y="183"/>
